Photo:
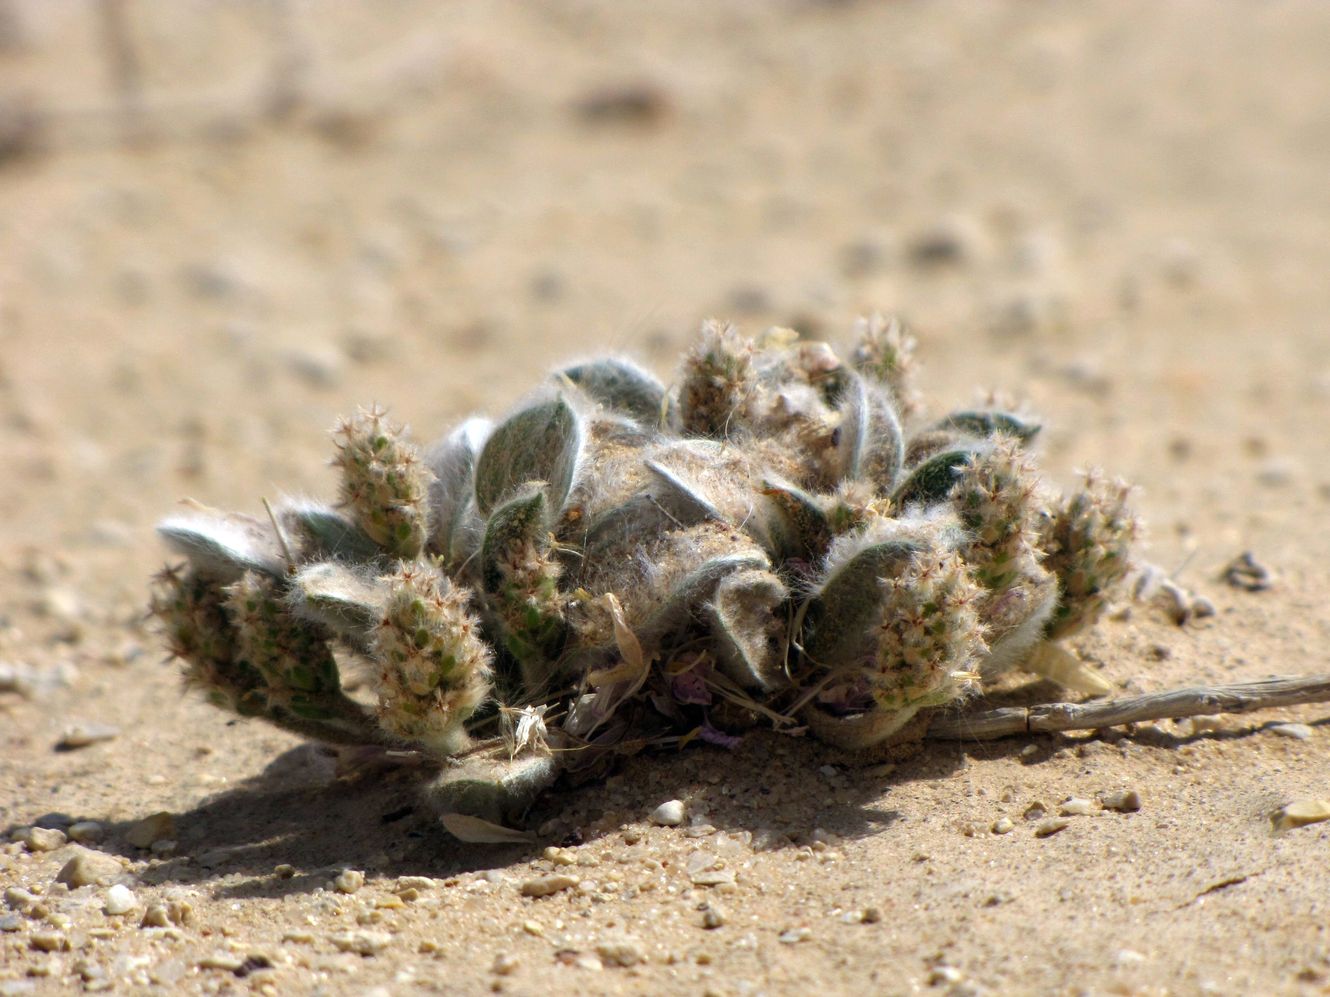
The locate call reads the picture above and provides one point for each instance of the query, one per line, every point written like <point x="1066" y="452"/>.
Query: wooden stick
<point x="1240" y="697"/>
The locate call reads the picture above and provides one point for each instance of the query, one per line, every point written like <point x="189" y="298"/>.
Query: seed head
<point x="384" y="482"/>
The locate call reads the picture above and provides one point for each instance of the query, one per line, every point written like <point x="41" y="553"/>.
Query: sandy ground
<point x="1117" y="211"/>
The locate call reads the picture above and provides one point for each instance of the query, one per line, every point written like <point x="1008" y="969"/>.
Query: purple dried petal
<point x="713" y="736"/>
<point x="691" y="687"/>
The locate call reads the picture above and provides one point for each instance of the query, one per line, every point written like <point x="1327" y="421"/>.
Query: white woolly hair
<point x="935" y="527"/>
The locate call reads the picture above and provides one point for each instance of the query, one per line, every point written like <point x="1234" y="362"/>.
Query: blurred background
<point x="224" y="223"/>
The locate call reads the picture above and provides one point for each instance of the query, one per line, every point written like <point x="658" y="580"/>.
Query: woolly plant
<point x="782" y="536"/>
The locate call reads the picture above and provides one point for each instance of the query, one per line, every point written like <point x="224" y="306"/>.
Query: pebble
<point x="505" y="964"/>
<point x="83" y="735"/>
<point x="156" y="827"/>
<point x="1123" y="801"/>
<point x="668" y="814"/>
<point x="1051" y="826"/>
<point x="1300" y="732"/>
<point x="11" y="922"/>
<point x="227" y="961"/>
<point x="120" y="899"/>
<point x="414" y="883"/>
<point x="17" y="898"/>
<point x="348" y="881"/>
<point x="544" y="886"/>
<point x="1003" y="825"/>
<point x="86" y="831"/>
<point x="87" y="867"/>
<point x="714" y="916"/>
<point x="40" y="839"/>
<point x="1075" y="806"/>
<point x="49" y="941"/>
<point x="794" y="936"/>
<point x="365" y="943"/>
<point x="163" y="915"/>
<point x="623" y="951"/>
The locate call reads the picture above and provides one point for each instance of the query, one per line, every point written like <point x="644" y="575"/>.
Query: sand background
<point x="1117" y="211"/>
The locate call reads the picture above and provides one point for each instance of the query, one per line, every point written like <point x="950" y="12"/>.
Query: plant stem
<point x="1240" y="697"/>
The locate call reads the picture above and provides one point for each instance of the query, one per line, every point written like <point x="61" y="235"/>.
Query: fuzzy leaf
<point x="748" y="624"/>
<point x="349" y="602"/>
<point x="680" y="498"/>
<point x="872" y="446"/>
<point x="797" y="526"/>
<point x="492" y="786"/>
<point x="847" y="604"/>
<point x="933" y="480"/>
<point x="522" y="518"/>
<point x="621" y="386"/>
<point x="990" y="423"/>
<point x="224" y="545"/>
<point x="327" y="534"/>
<point x="452" y="461"/>
<point x="540" y="443"/>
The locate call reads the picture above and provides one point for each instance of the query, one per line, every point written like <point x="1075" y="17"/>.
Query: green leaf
<point x="540" y="443"/>
<point x="327" y="534"/>
<point x="348" y="601"/>
<point x="621" y="386"/>
<point x="933" y="480"/>
<point x="849" y="601"/>
<point x="990" y="423"/>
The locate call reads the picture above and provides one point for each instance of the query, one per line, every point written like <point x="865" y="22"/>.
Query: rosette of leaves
<point x="778" y="536"/>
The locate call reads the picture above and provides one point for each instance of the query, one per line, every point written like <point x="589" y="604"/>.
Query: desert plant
<point x="781" y="537"/>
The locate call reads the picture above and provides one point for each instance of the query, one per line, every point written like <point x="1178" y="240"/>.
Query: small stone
<point x="155" y="827"/>
<point x="284" y="871"/>
<point x="713" y="877"/>
<point x="1247" y="573"/>
<point x="155" y="916"/>
<point x="794" y="936"/>
<point x="419" y="883"/>
<point x="49" y="941"/>
<point x="1003" y="825"/>
<point x="226" y="961"/>
<point x="668" y="814"/>
<point x="348" y="881"/>
<point x="944" y="975"/>
<point x="1029" y="751"/>
<point x="714" y="917"/>
<point x="11" y="922"/>
<point x="84" y="735"/>
<point x="86" y="831"/>
<point x="17" y="898"/>
<point x="366" y="943"/>
<point x="40" y="839"/>
<point x="1123" y="801"/>
<point x="560" y="856"/>
<point x="1075" y="806"/>
<point x="1035" y="810"/>
<point x="871" y="915"/>
<point x="544" y="886"/>
<point x="1051" y="826"/>
<point x="622" y="951"/>
<point x="1300" y="732"/>
<point x="119" y="900"/>
<point x="164" y="848"/>
<point x="505" y="964"/>
<point x="87" y="868"/>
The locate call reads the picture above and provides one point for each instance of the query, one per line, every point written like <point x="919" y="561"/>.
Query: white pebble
<point x="119" y="900"/>
<point x="349" y="881"/>
<point x="1300" y="732"/>
<point x="668" y="814"/>
<point x="1075" y="807"/>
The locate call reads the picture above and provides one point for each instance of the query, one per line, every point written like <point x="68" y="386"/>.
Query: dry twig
<point x="1239" y="697"/>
